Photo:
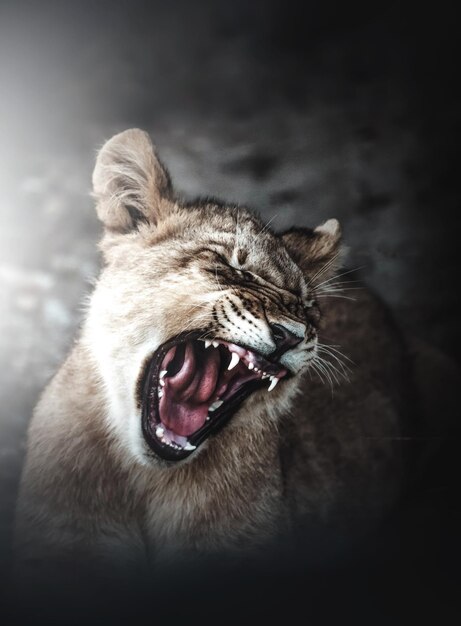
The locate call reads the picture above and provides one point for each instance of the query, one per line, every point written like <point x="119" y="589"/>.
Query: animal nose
<point x="283" y="338"/>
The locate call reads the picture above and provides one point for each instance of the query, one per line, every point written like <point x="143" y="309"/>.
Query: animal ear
<point x="317" y="251"/>
<point x="129" y="182"/>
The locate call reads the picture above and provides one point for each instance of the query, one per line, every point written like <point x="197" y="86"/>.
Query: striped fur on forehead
<point x="229" y="234"/>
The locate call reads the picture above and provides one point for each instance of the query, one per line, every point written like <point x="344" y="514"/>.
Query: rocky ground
<point x="303" y="112"/>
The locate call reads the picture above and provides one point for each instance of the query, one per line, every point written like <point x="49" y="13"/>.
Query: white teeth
<point x="250" y="366"/>
<point x="207" y="418"/>
<point x="159" y="432"/>
<point x="256" y="370"/>
<point x="265" y="375"/>
<point x="162" y="374"/>
<point x="207" y="343"/>
<point x="215" y="405"/>
<point x="274" y="381"/>
<point x="234" y="361"/>
<point x="160" y="393"/>
<point x="162" y="382"/>
<point x="189" y="446"/>
<point x="215" y="344"/>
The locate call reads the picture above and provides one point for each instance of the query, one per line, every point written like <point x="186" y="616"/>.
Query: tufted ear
<point x="129" y="182"/>
<point x="318" y="251"/>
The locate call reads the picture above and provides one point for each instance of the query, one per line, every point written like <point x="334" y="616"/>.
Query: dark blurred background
<point x="303" y="111"/>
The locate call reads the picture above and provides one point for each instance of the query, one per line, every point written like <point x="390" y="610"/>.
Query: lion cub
<point x="194" y="413"/>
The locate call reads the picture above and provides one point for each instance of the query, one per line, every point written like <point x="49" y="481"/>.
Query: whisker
<point x="334" y="373"/>
<point x="348" y="281"/>
<point x="313" y="365"/>
<point x="354" y="269"/>
<point x="333" y="295"/>
<point x="193" y="307"/>
<point x="334" y="280"/>
<point x="319" y="363"/>
<point x="207" y="334"/>
<point x="328" y="292"/>
<point x="343" y="365"/>
<point x="337" y="374"/>
<point x="197" y="319"/>
<point x="324" y="268"/>
<point x="266" y="227"/>
<point x="335" y="288"/>
<point x="336" y="353"/>
<point x="333" y="292"/>
<point x="332" y="367"/>
<point x="334" y="348"/>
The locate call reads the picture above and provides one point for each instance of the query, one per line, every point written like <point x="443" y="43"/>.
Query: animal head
<point x="200" y="310"/>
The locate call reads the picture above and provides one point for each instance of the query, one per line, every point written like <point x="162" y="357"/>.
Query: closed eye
<point x="246" y="275"/>
<point x="249" y="276"/>
<point x="255" y="278"/>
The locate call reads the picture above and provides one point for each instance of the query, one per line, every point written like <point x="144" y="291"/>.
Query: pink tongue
<point x="187" y="394"/>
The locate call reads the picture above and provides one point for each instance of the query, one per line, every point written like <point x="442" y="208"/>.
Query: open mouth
<point x="192" y="387"/>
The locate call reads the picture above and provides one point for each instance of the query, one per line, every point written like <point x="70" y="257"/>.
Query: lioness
<point x="194" y="413"/>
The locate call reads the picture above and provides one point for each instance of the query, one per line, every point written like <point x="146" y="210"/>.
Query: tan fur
<point x="91" y="486"/>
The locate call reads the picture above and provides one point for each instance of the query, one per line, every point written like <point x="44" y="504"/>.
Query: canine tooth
<point x="189" y="446"/>
<point x="234" y="361"/>
<point x="250" y="366"/>
<point x="274" y="381"/>
<point x="215" y="405"/>
<point x="162" y="374"/>
<point x="159" y="432"/>
<point x="207" y="343"/>
<point x="215" y="344"/>
<point x="160" y="393"/>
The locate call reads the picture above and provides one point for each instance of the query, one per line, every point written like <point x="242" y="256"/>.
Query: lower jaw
<point x="197" y="439"/>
